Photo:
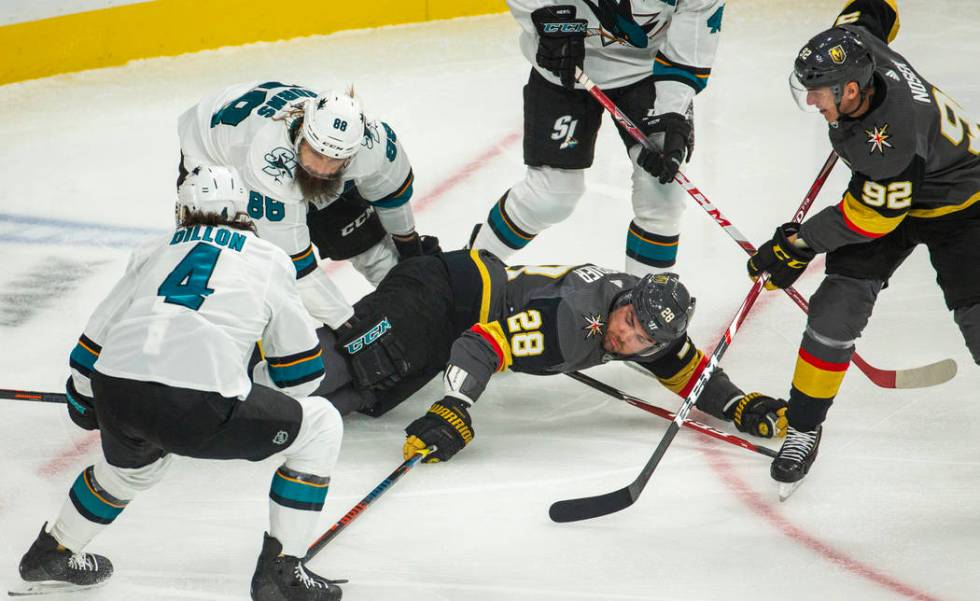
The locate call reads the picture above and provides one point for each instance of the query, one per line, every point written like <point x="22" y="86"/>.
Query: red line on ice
<point x="68" y="456"/>
<point x="463" y="173"/>
<point x="764" y="509"/>
<point x="725" y="470"/>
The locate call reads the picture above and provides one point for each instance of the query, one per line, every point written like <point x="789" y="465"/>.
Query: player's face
<point x="319" y="165"/>
<point x="624" y="334"/>
<point x="823" y="100"/>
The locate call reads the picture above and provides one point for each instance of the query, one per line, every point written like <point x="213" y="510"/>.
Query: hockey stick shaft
<point x="669" y="415"/>
<point x="573" y="510"/>
<point x="364" y="503"/>
<point x="31" y="395"/>
<point x="927" y="375"/>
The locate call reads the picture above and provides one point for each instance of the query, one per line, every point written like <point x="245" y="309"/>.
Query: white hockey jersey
<point x="189" y="310"/>
<point x="676" y="40"/>
<point x="246" y="127"/>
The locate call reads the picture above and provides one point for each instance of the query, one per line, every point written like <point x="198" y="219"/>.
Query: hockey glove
<point x="783" y="260"/>
<point x="671" y="132"/>
<point x="81" y="409"/>
<point x="447" y="425"/>
<point x="758" y="415"/>
<point x="561" y="41"/>
<point x="375" y="357"/>
<point x="414" y="245"/>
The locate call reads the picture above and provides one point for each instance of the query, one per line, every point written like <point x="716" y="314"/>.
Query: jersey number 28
<point x="525" y="340"/>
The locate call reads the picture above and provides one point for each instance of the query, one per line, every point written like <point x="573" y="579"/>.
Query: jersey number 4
<point x="187" y="284"/>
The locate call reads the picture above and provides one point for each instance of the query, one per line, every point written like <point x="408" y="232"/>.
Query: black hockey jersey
<point x="540" y="319"/>
<point x="915" y="154"/>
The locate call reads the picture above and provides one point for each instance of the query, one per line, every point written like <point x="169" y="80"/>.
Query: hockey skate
<point x="284" y="578"/>
<point x="794" y="459"/>
<point x="47" y="567"/>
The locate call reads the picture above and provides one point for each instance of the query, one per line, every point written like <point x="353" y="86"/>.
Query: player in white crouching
<point x="318" y="173"/>
<point x="650" y="57"/>
<point x="160" y="371"/>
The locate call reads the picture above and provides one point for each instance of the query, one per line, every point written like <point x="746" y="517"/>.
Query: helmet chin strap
<point x="838" y="93"/>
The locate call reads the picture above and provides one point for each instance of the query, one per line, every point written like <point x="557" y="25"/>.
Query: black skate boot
<point x="47" y="567"/>
<point x="284" y="578"/>
<point x="794" y="459"/>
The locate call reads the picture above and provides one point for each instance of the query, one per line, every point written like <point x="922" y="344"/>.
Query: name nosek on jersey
<point x="919" y="91"/>
<point x="215" y="235"/>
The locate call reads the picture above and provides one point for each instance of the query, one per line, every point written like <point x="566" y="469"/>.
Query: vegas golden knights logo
<point x="837" y="54"/>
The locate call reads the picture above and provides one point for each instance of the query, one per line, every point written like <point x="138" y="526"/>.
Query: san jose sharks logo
<point x="620" y="25"/>
<point x="594" y="326"/>
<point x="280" y="163"/>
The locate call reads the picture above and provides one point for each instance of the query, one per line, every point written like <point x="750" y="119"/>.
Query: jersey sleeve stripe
<point x="494" y="336"/>
<point x="864" y="220"/>
<point x="296" y="369"/>
<point x="84" y="355"/>
<point x="485" y="282"/>
<point x="946" y="210"/>
<point x="399" y="197"/>
<point x="304" y="262"/>
<point x="680" y="381"/>
<point x="665" y="69"/>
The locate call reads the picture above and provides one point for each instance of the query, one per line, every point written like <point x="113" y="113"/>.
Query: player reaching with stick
<point x="914" y="155"/>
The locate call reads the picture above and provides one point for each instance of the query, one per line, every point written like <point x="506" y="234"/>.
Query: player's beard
<point x="318" y="188"/>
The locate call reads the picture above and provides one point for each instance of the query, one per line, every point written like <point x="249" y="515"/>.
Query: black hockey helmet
<point x="664" y="307"/>
<point x="832" y="58"/>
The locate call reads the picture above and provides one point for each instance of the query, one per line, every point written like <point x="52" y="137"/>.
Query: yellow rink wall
<point x="113" y="36"/>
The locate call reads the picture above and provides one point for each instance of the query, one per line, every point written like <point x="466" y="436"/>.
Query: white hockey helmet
<point x="218" y="190"/>
<point x="333" y="125"/>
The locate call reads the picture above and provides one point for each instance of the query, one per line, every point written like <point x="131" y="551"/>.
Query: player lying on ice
<point x="160" y="371"/>
<point x="469" y="315"/>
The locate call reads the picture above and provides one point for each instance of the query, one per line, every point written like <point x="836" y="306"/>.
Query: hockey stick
<point x="30" y="395"/>
<point x="573" y="510"/>
<point x="363" y="504"/>
<point x="916" y="377"/>
<point x="661" y="412"/>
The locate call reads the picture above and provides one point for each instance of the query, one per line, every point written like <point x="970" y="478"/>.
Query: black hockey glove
<point x="561" y="41"/>
<point x="758" y="415"/>
<point x="673" y="133"/>
<point x="375" y="357"/>
<point x="414" y="245"/>
<point x="447" y="425"/>
<point x="81" y="409"/>
<point x="783" y="260"/>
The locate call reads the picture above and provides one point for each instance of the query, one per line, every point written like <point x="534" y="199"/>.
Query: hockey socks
<point x="295" y="501"/>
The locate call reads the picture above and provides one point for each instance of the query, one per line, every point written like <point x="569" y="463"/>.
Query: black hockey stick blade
<point x="586" y="508"/>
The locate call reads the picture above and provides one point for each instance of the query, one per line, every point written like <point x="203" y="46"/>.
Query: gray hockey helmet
<point x="832" y="58"/>
<point x="664" y="307"/>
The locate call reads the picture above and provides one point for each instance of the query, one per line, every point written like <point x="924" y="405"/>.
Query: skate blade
<point x="786" y="489"/>
<point x="48" y="587"/>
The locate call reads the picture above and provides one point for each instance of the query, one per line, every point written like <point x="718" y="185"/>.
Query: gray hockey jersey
<point x="544" y="319"/>
<point x="915" y="154"/>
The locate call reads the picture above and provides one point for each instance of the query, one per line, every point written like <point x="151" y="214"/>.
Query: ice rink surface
<point x="891" y="509"/>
